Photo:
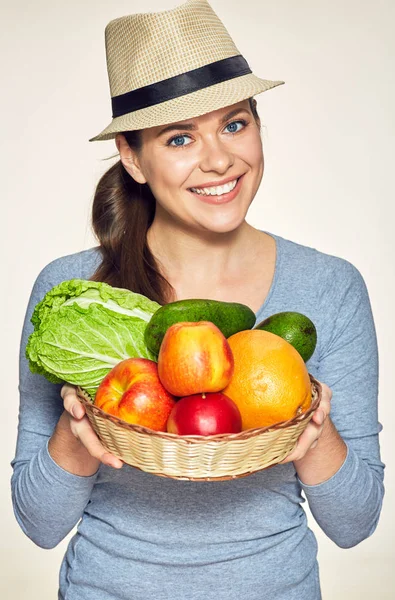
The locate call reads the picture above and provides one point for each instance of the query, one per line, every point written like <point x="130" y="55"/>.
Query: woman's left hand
<point x="311" y="435"/>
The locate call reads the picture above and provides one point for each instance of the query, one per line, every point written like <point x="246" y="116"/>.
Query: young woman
<point x="170" y="217"/>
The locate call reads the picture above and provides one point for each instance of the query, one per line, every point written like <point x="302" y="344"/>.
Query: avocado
<point x="229" y="317"/>
<point x="295" y="328"/>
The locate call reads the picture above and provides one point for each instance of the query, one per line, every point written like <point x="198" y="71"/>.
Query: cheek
<point x="253" y="151"/>
<point x="253" y="156"/>
<point x="170" y="172"/>
<point x="167" y="180"/>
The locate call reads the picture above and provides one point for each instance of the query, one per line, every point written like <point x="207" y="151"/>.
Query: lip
<point x="224" y="198"/>
<point x="215" y="183"/>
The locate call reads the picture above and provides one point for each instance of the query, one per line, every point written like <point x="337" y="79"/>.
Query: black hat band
<point x="180" y="85"/>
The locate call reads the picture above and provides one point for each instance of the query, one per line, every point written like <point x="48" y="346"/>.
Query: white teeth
<point x="216" y="191"/>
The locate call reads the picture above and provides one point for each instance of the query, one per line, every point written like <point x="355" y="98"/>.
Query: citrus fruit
<point x="270" y="382"/>
<point x="294" y="327"/>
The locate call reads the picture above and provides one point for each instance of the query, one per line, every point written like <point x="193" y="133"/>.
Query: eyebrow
<point x="192" y="126"/>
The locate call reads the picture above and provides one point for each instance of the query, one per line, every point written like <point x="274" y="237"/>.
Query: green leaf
<point x="82" y="329"/>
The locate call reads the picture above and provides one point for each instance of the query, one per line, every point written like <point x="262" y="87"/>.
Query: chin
<point x="225" y="222"/>
<point x="219" y="229"/>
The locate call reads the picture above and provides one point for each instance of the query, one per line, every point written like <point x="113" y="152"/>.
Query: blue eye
<point x="233" y="123"/>
<point x="177" y="139"/>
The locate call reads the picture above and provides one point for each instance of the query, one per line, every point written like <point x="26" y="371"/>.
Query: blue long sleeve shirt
<point x="143" y="537"/>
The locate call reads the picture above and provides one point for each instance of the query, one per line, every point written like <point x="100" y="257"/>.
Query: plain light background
<point x="328" y="183"/>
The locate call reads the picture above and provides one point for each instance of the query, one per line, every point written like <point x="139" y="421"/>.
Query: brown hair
<point x="122" y="213"/>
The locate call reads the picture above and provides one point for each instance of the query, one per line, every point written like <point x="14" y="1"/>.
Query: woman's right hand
<point x="74" y="444"/>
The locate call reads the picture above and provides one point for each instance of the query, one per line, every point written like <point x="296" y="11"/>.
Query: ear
<point x="129" y="159"/>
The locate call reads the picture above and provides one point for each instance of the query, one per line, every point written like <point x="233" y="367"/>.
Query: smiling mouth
<point x="220" y="190"/>
<point x="221" y="195"/>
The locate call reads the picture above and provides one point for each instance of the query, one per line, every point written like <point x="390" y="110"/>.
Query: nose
<point x="215" y="156"/>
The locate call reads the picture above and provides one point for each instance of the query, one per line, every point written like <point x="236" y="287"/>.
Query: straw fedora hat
<point x="173" y="65"/>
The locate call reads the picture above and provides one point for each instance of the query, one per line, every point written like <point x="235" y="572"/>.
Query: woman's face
<point x="196" y="153"/>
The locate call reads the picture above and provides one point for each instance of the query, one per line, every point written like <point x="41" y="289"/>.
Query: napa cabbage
<point x="82" y="329"/>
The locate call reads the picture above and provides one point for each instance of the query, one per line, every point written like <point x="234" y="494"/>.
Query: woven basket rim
<point x="242" y="435"/>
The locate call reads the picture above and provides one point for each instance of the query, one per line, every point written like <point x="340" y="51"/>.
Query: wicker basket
<point x="199" y="458"/>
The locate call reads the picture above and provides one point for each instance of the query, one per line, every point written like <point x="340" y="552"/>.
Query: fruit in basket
<point x="270" y="382"/>
<point x="194" y="358"/>
<point x="133" y="392"/>
<point x="229" y="317"/>
<point x="294" y="327"/>
<point x="204" y="414"/>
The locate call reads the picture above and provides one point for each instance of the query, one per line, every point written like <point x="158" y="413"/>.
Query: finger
<point x="322" y="411"/>
<point x="318" y="416"/>
<point x="326" y="392"/>
<point x="71" y="402"/>
<point x="304" y="443"/>
<point x="66" y="389"/>
<point x="83" y="431"/>
<point x="311" y="434"/>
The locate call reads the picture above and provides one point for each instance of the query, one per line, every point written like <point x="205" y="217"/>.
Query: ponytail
<point x="122" y="212"/>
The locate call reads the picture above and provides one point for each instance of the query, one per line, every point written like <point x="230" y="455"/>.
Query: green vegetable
<point x="229" y="317"/>
<point x="294" y="327"/>
<point x="82" y="329"/>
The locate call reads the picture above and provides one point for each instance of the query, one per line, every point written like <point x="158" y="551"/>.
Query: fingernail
<point x="313" y="445"/>
<point x="77" y="411"/>
<point x="113" y="463"/>
<point x="320" y="417"/>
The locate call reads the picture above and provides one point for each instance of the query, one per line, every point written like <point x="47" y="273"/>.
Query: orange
<point x="270" y="382"/>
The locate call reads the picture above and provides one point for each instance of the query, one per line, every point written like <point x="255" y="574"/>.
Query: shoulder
<point x="327" y="288"/>
<point x="316" y="268"/>
<point x="79" y="265"/>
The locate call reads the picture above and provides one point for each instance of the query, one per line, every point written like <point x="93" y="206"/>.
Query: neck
<point x="210" y="255"/>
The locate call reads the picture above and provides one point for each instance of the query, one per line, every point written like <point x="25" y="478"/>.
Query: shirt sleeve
<point x="47" y="500"/>
<point x="347" y="506"/>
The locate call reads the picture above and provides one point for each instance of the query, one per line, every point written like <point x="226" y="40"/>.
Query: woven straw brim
<point x="199" y="458"/>
<point x="189" y="106"/>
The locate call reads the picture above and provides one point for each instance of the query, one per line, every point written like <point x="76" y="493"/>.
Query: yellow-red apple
<point x="194" y="358"/>
<point x="133" y="392"/>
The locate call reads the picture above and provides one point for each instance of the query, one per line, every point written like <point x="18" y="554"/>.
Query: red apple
<point x="133" y="392"/>
<point x="204" y="414"/>
<point x="195" y="357"/>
